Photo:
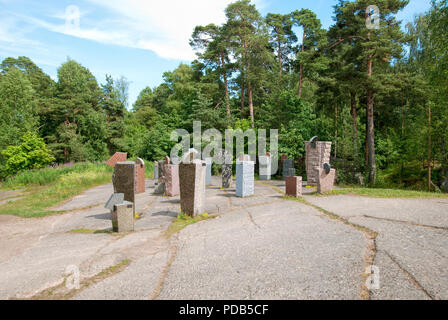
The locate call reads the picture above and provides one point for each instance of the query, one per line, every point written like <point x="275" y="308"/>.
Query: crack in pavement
<point x="406" y="222"/>
<point x="251" y="218"/>
<point x="369" y="234"/>
<point x="409" y="275"/>
<point x="173" y="250"/>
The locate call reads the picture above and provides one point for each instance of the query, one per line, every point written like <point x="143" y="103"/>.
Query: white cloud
<point x="163" y="27"/>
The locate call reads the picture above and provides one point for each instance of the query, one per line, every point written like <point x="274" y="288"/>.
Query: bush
<point x="32" y="153"/>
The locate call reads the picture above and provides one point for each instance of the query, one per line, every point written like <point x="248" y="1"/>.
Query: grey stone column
<point x="245" y="178"/>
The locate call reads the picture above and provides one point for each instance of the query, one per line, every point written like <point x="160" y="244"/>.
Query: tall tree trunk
<point x="429" y="148"/>
<point x="445" y="166"/>
<point x="226" y="87"/>
<point x="280" y="60"/>
<point x="354" y="114"/>
<point x="251" y="105"/>
<point x="301" y="67"/>
<point x="242" y="98"/>
<point x="371" y="127"/>
<point x="336" y="130"/>
<point x="371" y="138"/>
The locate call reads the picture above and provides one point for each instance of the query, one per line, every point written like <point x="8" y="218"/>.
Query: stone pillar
<point x="156" y="170"/>
<point x="208" y="171"/>
<point x="124" y="180"/>
<point x="117" y="157"/>
<point x="294" y="186"/>
<point x="325" y="182"/>
<point x="227" y="170"/>
<point x="123" y="217"/>
<point x="192" y="187"/>
<point x="171" y="180"/>
<point x="159" y="188"/>
<point x="286" y="165"/>
<point x="264" y="167"/>
<point x="245" y="178"/>
<point x="140" y="175"/>
<point x="316" y="156"/>
<point x="227" y="176"/>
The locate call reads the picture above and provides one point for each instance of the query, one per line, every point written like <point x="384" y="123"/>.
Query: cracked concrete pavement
<point x="261" y="247"/>
<point x="412" y="242"/>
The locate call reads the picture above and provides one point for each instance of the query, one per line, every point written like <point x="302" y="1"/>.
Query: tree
<point x="250" y="48"/>
<point x="114" y="109"/>
<point x="18" y="113"/>
<point x="374" y="47"/>
<point x="77" y="113"/>
<point x="282" y="37"/>
<point x="213" y="42"/>
<point x="313" y="37"/>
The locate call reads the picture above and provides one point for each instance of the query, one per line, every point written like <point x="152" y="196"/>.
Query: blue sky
<point x="137" y="39"/>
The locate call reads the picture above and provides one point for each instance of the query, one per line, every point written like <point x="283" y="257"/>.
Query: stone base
<point x="264" y="178"/>
<point x="325" y="182"/>
<point x="294" y="186"/>
<point x="123" y="217"/>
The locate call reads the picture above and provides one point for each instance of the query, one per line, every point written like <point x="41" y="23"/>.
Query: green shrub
<point x="32" y="153"/>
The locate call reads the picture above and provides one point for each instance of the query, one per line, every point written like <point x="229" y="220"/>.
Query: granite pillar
<point x="325" y="182"/>
<point x="245" y="178"/>
<point x="287" y="164"/>
<point x="317" y="154"/>
<point x="117" y="157"/>
<point x="140" y="175"/>
<point x="123" y="180"/>
<point x="264" y="166"/>
<point x="192" y="187"/>
<point x="171" y="180"/>
<point x="208" y="171"/>
<point x="294" y="186"/>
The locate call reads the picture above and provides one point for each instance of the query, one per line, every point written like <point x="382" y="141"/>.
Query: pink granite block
<point x="325" y="182"/>
<point x="315" y="158"/>
<point x="140" y="176"/>
<point x="294" y="186"/>
<point x="171" y="180"/>
<point x="117" y="157"/>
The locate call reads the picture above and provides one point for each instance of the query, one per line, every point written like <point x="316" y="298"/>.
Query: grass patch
<point x="91" y="231"/>
<point x="387" y="193"/>
<point x="62" y="185"/>
<point x="184" y="220"/>
<point x="60" y="292"/>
